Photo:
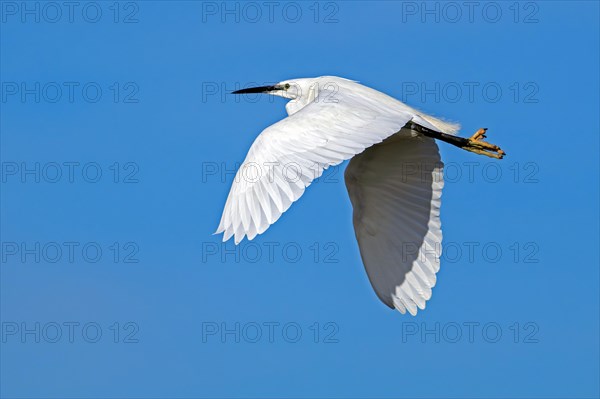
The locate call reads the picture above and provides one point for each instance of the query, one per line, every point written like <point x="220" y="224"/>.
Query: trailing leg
<point x="473" y="144"/>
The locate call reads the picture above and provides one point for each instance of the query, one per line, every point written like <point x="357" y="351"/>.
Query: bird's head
<point x="292" y="89"/>
<point x="301" y="92"/>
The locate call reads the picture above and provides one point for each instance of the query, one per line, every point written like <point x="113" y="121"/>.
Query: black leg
<point x="474" y="144"/>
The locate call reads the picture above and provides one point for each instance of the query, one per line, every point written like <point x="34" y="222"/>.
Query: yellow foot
<point x="478" y="146"/>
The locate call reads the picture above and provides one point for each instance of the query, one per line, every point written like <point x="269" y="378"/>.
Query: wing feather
<point x="395" y="190"/>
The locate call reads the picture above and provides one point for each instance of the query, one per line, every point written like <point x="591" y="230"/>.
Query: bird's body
<point x="394" y="178"/>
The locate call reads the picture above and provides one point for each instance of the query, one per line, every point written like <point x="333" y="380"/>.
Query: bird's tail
<point x="443" y="126"/>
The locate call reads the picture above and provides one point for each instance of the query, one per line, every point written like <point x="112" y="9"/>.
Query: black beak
<point x="261" y="89"/>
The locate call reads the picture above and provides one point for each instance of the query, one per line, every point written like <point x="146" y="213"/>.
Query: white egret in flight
<point x="394" y="177"/>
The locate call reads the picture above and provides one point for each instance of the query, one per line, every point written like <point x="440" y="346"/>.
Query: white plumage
<point x="394" y="179"/>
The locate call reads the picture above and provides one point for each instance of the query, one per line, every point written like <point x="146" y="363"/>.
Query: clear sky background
<point x="118" y="145"/>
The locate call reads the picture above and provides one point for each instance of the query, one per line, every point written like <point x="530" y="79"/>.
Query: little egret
<point x="394" y="178"/>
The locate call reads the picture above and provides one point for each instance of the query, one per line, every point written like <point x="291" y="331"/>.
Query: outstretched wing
<point x="395" y="189"/>
<point x="287" y="156"/>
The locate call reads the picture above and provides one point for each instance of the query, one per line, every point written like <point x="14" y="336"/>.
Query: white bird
<point x="394" y="178"/>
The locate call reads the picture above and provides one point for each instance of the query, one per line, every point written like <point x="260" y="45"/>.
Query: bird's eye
<point x="287" y="86"/>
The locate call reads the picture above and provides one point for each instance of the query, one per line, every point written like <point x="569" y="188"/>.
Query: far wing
<point x="395" y="189"/>
<point x="287" y="156"/>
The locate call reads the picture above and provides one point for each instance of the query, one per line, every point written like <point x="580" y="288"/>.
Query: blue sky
<point x="118" y="145"/>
